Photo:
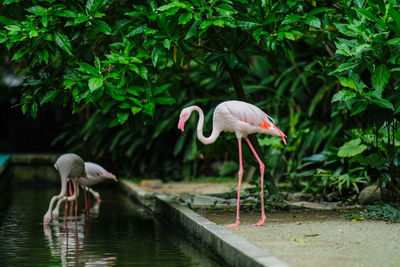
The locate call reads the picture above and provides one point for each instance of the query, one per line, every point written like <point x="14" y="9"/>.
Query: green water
<point x="117" y="233"/>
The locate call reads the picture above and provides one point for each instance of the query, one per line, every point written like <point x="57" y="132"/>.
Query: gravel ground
<point x="318" y="238"/>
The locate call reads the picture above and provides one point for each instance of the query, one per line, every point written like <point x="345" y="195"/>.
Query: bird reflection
<point x="70" y="241"/>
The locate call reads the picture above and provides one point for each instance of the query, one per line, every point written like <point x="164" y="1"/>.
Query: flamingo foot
<point x="98" y="200"/>
<point x="261" y="221"/>
<point x="234" y="224"/>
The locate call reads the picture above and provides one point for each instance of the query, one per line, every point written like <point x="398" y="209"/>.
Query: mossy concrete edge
<point x="232" y="248"/>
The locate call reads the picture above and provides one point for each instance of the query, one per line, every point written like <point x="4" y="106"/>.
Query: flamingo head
<point x="106" y="175"/>
<point x="185" y="114"/>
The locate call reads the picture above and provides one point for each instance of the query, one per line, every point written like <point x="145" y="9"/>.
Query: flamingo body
<point x="69" y="166"/>
<point x="95" y="174"/>
<point x="243" y="119"/>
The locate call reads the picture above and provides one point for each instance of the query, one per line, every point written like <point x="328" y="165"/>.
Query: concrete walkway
<point x="318" y="238"/>
<point x="300" y="237"/>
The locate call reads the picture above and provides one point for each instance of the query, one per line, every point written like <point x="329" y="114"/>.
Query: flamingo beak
<point x="283" y="136"/>
<point x="181" y="124"/>
<point x="111" y="176"/>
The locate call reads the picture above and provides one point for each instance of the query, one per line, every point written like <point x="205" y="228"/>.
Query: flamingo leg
<point x="240" y="174"/>
<point x="70" y="194"/>
<point x="262" y="167"/>
<point x="66" y="199"/>
<point x="88" y="195"/>
<point x="76" y="193"/>
<point x="86" y="201"/>
<point x="66" y="209"/>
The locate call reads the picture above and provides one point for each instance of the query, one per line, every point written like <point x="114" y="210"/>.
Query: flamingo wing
<point x="254" y="116"/>
<point x="249" y="114"/>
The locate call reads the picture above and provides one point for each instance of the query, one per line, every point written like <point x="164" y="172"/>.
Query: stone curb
<point x="232" y="248"/>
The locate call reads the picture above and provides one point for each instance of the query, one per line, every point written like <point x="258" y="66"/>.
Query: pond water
<point x="117" y="232"/>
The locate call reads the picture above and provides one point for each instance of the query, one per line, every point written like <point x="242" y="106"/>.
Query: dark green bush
<point x="327" y="71"/>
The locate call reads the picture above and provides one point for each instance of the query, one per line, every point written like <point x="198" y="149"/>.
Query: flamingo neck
<point x="215" y="132"/>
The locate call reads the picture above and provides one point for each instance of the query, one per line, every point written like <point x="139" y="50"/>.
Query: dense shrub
<point x="327" y="71"/>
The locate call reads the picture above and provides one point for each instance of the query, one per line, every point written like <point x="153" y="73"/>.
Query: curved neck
<point x="215" y="132"/>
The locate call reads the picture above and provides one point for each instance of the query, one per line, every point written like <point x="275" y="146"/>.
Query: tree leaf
<point x="49" y="96"/>
<point x="344" y="67"/>
<point x="34" y="110"/>
<point x="351" y="148"/>
<point x="122" y="117"/>
<point x="149" y="108"/>
<point x="136" y="110"/>
<point x="93" y="5"/>
<point x="165" y="100"/>
<point x="102" y="26"/>
<point x="205" y="24"/>
<point x="370" y="16"/>
<point x="87" y="68"/>
<point x="347" y="82"/>
<point x="95" y="83"/>
<point x="185" y="18"/>
<point x="383" y="103"/>
<point x="395" y="15"/>
<point x="314" y="22"/>
<point x="343" y="95"/>
<point x="359" y="106"/>
<point x="380" y="77"/>
<point x="161" y="89"/>
<point x="193" y="29"/>
<point x="63" y="42"/>
<point x="291" y="18"/>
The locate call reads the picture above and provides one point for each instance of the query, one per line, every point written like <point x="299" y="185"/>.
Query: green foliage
<point x="384" y="212"/>
<point x="327" y="72"/>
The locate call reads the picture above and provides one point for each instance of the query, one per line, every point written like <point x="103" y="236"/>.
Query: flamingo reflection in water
<point x="70" y="242"/>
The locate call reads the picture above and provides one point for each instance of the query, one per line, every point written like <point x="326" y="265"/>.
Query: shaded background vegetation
<point x="327" y="71"/>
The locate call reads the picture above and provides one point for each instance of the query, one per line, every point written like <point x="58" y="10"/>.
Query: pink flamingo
<point x="69" y="166"/>
<point x="95" y="174"/>
<point x="243" y="119"/>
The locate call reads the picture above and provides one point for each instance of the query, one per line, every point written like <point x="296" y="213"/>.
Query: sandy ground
<point x="318" y="238"/>
<point x="196" y="188"/>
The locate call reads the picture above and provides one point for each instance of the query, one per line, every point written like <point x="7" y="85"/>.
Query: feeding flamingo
<point x="69" y="166"/>
<point x="95" y="174"/>
<point x="243" y="119"/>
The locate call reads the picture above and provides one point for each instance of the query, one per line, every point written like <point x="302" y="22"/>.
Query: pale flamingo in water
<point x="242" y="119"/>
<point x="95" y="174"/>
<point x="69" y="166"/>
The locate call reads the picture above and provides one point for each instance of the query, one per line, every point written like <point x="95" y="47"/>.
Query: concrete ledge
<point x="233" y="249"/>
<point x="138" y="194"/>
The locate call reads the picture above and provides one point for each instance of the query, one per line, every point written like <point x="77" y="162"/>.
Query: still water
<point x="117" y="232"/>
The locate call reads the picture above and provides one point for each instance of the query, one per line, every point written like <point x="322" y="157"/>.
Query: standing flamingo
<point x="95" y="174"/>
<point x="69" y="166"/>
<point x="243" y="119"/>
